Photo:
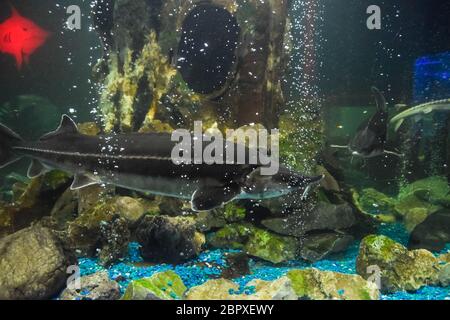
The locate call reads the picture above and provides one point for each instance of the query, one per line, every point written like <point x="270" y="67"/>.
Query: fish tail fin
<point x="380" y="99"/>
<point x="8" y="140"/>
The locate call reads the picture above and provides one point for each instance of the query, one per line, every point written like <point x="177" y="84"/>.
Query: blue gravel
<point x="210" y="264"/>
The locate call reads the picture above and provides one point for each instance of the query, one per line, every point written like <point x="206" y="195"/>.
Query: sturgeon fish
<point x="143" y="162"/>
<point x="419" y="111"/>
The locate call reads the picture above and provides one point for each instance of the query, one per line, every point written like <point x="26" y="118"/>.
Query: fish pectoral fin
<point x="82" y="180"/>
<point x="36" y="169"/>
<point x="207" y="198"/>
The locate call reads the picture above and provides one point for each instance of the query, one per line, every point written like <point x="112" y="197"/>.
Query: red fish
<point x="21" y="37"/>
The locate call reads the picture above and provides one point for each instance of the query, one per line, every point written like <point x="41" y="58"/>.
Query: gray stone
<point x="433" y="233"/>
<point x="96" y="286"/>
<point x="319" y="246"/>
<point x="325" y="216"/>
<point x="33" y="264"/>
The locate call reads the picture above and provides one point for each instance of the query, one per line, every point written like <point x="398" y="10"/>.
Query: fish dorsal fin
<point x="82" y="180"/>
<point x="67" y="126"/>
<point x="36" y="169"/>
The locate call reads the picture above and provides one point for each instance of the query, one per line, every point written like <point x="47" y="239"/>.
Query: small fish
<point x="370" y="139"/>
<point x="143" y="162"/>
<point x="419" y="111"/>
<point x="21" y="37"/>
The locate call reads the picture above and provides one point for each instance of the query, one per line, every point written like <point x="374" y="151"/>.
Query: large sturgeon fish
<point x="143" y="162"/>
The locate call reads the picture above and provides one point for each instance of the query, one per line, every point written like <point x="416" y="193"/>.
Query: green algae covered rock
<point x="233" y="212"/>
<point x="232" y="236"/>
<point x="271" y="247"/>
<point x="326" y="285"/>
<point x="412" y="202"/>
<point x="101" y="231"/>
<point x="376" y="202"/>
<point x="161" y="286"/>
<point x="421" y="198"/>
<point x="400" y="269"/>
<point x="218" y="218"/>
<point x="431" y="188"/>
<point x="256" y="242"/>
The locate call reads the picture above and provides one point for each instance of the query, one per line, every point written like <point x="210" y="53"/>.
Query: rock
<point x="237" y="265"/>
<point x="209" y="220"/>
<point x="33" y="264"/>
<point x="222" y="289"/>
<point x="376" y="202"/>
<point x="314" y="284"/>
<point x="233" y="212"/>
<point x="168" y="239"/>
<point x="428" y="189"/>
<point x="316" y="247"/>
<point x="271" y="247"/>
<point x="445" y="258"/>
<point x="130" y="209"/>
<point x="169" y="206"/>
<point x="99" y="231"/>
<point x="325" y="216"/>
<point x="35" y="203"/>
<point x="433" y="233"/>
<point x="161" y="286"/>
<point x="217" y="289"/>
<point x="84" y="233"/>
<point x="91" y="196"/>
<point x="115" y="237"/>
<point x="96" y="286"/>
<point x="400" y="269"/>
<point x="256" y="242"/>
<point x="64" y="210"/>
<point x="421" y="198"/>
<point x="444" y="275"/>
<point x="280" y="289"/>
<point x="232" y="236"/>
<point x="414" y="217"/>
<point x="445" y="202"/>
<point x="411" y="205"/>
<point x="218" y="218"/>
